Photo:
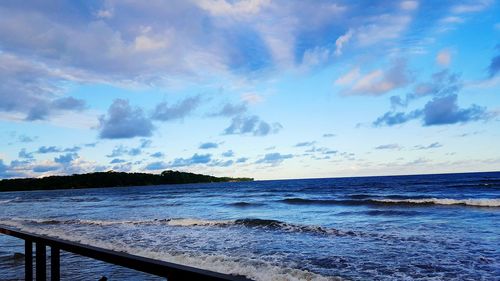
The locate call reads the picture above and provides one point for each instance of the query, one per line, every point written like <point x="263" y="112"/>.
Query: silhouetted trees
<point x="109" y="179"/>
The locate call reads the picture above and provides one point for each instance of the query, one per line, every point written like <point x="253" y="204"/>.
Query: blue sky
<point x="258" y="88"/>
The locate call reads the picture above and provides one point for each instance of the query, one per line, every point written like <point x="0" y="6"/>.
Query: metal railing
<point x="171" y="271"/>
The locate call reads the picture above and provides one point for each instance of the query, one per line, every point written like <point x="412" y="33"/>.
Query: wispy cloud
<point x="251" y="125"/>
<point x="390" y="146"/>
<point x="430" y="146"/>
<point x="273" y="158"/>
<point x="164" y="112"/>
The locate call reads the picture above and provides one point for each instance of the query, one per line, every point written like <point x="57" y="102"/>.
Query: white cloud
<point x="252" y="98"/>
<point x="238" y="8"/>
<point x="341" y="41"/>
<point x="349" y="77"/>
<point x="378" y="82"/>
<point x="471" y="7"/>
<point x="409" y="5"/>
<point x="443" y="58"/>
<point x="452" y="19"/>
<point x="104" y="14"/>
<point x="382" y="28"/>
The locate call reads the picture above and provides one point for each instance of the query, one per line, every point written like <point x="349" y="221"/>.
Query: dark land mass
<point x="109" y="179"/>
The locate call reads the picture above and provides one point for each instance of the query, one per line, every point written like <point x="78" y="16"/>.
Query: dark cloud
<point x="164" y="112"/>
<point x="274" y="158"/>
<point x="158" y="155"/>
<point x="66" y="159"/>
<point x="439" y="111"/>
<point x="69" y="103"/>
<point x="242" y="160"/>
<point x="494" y="66"/>
<point x="430" y="146"/>
<point x="121" y="150"/>
<point x="395" y="118"/>
<point x="72" y="149"/>
<point x="117" y="161"/>
<point x="306" y="143"/>
<point x="25" y="155"/>
<point x="193" y="160"/>
<point x="134" y="151"/>
<point x="44" y="168"/>
<point x="444" y="110"/>
<point x="230" y="110"/>
<point x="6" y="171"/>
<point x="48" y="149"/>
<point x="156" y="166"/>
<point x="123" y="121"/>
<point x="208" y="145"/>
<point x="251" y="125"/>
<point x="388" y="146"/>
<point x="442" y="83"/>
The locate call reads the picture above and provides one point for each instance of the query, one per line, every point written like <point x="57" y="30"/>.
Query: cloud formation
<point x="444" y="110"/>
<point x="305" y="143"/>
<point x="439" y="111"/>
<point x="377" y="82"/>
<point x="32" y="89"/>
<point x="66" y="159"/>
<point x="251" y="125"/>
<point x="164" y="112"/>
<point x="273" y="159"/>
<point x="494" y="66"/>
<point x="208" y="145"/>
<point x="193" y="160"/>
<point x="123" y="121"/>
<point x="230" y="110"/>
<point x="390" y="146"/>
<point x="430" y="146"/>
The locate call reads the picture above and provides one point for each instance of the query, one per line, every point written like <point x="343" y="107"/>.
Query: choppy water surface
<point x="436" y="227"/>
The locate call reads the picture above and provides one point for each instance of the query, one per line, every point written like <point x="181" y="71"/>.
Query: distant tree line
<point x="109" y="179"/>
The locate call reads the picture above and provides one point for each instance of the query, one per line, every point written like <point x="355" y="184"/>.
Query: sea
<point x="421" y="227"/>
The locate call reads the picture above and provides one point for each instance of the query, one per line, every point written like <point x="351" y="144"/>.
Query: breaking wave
<point x="258" y="270"/>
<point x="266" y="224"/>
<point x="417" y="201"/>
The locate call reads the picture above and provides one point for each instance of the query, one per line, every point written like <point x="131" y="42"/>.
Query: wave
<point x="444" y="201"/>
<point x="256" y="223"/>
<point x="243" y="204"/>
<point x="5" y="201"/>
<point x="252" y="268"/>
<point x="483" y="202"/>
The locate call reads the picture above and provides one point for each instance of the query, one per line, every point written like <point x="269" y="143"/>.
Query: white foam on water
<point x="197" y="222"/>
<point x="468" y="202"/>
<point x="251" y="268"/>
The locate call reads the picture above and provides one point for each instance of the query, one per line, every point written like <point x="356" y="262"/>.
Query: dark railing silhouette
<point x="171" y="271"/>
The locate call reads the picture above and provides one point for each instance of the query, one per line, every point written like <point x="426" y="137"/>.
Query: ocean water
<point x="432" y="227"/>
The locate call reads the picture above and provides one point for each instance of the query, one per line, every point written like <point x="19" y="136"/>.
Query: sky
<point x="269" y="89"/>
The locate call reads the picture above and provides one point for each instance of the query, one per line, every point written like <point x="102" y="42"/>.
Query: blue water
<point x="433" y="227"/>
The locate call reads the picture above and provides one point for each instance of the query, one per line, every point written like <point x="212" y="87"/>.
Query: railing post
<point x="55" y="267"/>
<point x="41" y="263"/>
<point x="28" y="260"/>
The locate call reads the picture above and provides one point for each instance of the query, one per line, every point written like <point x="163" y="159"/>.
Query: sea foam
<point x="251" y="268"/>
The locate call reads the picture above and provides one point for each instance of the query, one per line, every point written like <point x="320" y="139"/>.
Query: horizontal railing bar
<point x="169" y="270"/>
